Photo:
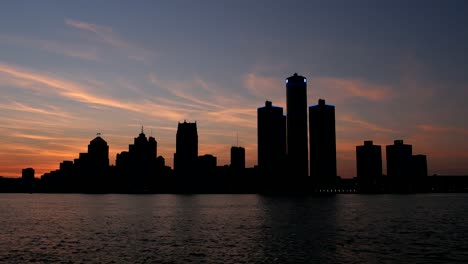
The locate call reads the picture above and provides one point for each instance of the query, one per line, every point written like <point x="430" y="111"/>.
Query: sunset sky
<point x="71" y="69"/>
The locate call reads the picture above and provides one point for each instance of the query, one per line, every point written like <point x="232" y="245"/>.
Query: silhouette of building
<point x="67" y="169"/>
<point x="27" y="174"/>
<point x="139" y="165"/>
<point x="296" y="106"/>
<point x="419" y="166"/>
<point x="98" y="154"/>
<point x="237" y="159"/>
<point x="369" y="166"/>
<point x="207" y="165"/>
<point x="90" y="171"/>
<point x="399" y="159"/>
<point x="399" y="166"/>
<point x="322" y="139"/>
<point x="271" y="136"/>
<point x="185" y="158"/>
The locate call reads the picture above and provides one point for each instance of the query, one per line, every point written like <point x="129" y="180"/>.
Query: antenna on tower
<point x="237" y="138"/>
<point x="142" y="129"/>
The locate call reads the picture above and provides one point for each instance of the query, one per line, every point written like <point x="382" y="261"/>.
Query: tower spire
<point x="142" y="129"/>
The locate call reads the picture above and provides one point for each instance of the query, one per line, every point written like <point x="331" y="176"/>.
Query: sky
<point x="72" y="69"/>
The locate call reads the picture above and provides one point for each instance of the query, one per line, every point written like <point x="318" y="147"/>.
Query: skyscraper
<point x="140" y="160"/>
<point x="399" y="166"/>
<point x="369" y="167"/>
<point x="419" y="166"/>
<point x="98" y="155"/>
<point x="296" y="105"/>
<point x="237" y="158"/>
<point x="143" y="150"/>
<point x="27" y="174"/>
<point x="399" y="160"/>
<point x="368" y="161"/>
<point x="322" y="138"/>
<point x="271" y="136"/>
<point x="185" y="158"/>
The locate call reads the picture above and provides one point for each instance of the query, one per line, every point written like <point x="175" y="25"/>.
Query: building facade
<point x="271" y="137"/>
<point x="322" y="139"/>
<point x="186" y="156"/>
<point x="296" y="106"/>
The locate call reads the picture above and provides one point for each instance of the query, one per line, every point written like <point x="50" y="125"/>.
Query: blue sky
<point x="68" y="70"/>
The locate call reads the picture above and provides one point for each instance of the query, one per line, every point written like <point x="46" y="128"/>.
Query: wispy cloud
<point x="73" y="50"/>
<point x="52" y="111"/>
<point x="81" y="93"/>
<point x="109" y="37"/>
<point x="363" y="124"/>
<point x="265" y="87"/>
<point x="337" y="90"/>
<point x="354" y="88"/>
<point x="443" y="129"/>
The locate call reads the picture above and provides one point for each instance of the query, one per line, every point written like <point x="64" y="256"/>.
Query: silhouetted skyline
<point x="397" y="70"/>
<point x="139" y="170"/>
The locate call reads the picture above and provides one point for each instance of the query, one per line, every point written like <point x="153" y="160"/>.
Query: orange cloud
<point x="363" y="124"/>
<point x="81" y="93"/>
<point x="353" y="88"/>
<point x="265" y="88"/>
<point x="443" y="129"/>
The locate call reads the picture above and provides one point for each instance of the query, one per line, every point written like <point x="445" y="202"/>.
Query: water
<point x="75" y="228"/>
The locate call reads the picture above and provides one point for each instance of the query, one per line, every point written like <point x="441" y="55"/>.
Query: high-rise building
<point x="206" y="165"/>
<point x="140" y="159"/>
<point x="368" y="161"/>
<point x="419" y="166"/>
<point x="399" y="160"/>
<point x="296" y="106"/>
<point x="271" y="136"/>
<point x="237" y="158"/>
<point x="322" y="138"/>
<point x="98" y="154"/>
<point x="143" y="150"/>
<point x="27" y="174"/>
<point x="185" y="158"/>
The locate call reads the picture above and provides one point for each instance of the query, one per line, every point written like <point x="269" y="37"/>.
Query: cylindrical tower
<point x="296" y="120"/>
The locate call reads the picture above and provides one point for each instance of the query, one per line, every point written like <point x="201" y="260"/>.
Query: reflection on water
<point x="233" y="228"/>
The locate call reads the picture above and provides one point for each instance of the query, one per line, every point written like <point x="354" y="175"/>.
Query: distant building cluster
<point x="296" y="154"/>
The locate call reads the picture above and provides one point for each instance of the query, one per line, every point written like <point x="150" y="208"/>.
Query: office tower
<point x="186" y="155"/>
<point x="322" y="138"/>
<point x="140" y="159"/>
<point x="237" y="158"/>
<point x="399" y="160"/>
<point x="369" y="161"/>
<point x="206" y="165"/>
<point x="296" y="106"/>
<point x="271" y="136"/>
<point x="27" y="174"/>
<point x="419" y="166"/>
<point x="143" y="150"/>
<point x="98" y="154"/>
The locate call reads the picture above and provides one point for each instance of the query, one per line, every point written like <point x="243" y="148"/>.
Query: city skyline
<point x="67" y="74"/>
